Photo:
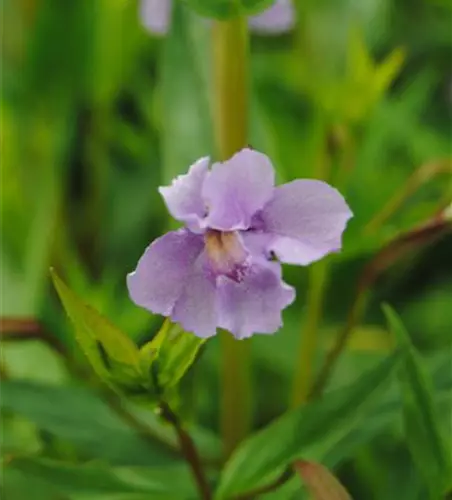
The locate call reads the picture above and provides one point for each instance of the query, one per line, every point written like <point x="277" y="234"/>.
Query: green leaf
<point x="94" y="429"/>
<point x="309" y="432"/>
<point x="19" y="436"/>
<point x="360" y="64"/>
<point x="367" y="81"/>
<point x="115" y="41"/>
<point x="187" y="131"/>
<point x="388" y="70"/>
<point x="175" y="350"/>
<point x="26" y="359"/>
<point x="421" y="421"/>
<point x="223" y="9"/>
<point x="17" y="486"/>
<point x="113" y="355"/>
<point x="29" y="204"/>
<point x="102" y="481"/>
<point x="76" y="416"/>
<point x="385" y="412"/>
<point x="380" y="417"/>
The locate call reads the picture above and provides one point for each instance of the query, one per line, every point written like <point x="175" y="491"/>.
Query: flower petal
<point x="255" y="304"/>
<point x="278" y="18"/>
<point x="307" y="218"/>
<point x="236" y="189"/>
<point x="156" y="15"/>
<point x="183" y="197"/>
<point x="196" y="308"/>
<point x="162" y="271"/>
<point x="257" y="243"/>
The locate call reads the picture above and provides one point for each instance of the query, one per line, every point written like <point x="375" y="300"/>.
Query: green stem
<point x="421" y="176"/>
<point x="309" y="340"/>
<point x="354" y="316"/>
<point x="282" y="479"/>
<point x="230" y="84"/>
<point x="235" y="391"/>
<point x="230" y="65"/>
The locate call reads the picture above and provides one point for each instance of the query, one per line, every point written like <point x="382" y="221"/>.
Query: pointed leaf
<point x="110" y="352"/>
<point x="388" y="70"/>
<point x="310" y="432"/>
<point x="422" y="428"/>
<point x="185" y="113"/>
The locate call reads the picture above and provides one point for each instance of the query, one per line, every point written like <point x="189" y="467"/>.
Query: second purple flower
<point x="220" y="270"/>
<point x="276" y="19"/>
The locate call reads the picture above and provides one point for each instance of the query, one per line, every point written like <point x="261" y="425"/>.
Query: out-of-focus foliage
<point x="96" y="113"/>
<point x="302" y="433"/>
<point x="421" y="420"/>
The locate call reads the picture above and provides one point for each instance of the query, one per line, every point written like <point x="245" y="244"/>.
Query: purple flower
<point x="278" y="18"/>
<point x="156" y="15"/>
<point x="220" y="271"/>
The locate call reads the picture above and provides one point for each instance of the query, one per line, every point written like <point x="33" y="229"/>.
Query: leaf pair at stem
<point x="149" y="374"/>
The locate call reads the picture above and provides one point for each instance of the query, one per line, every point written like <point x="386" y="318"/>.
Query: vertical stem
<point x="235" y="391"/>
<point x="189" y="451"/>
<point x="230" y="81"/>
<point x="309" y="335"/>
<point x="230" y="64"/>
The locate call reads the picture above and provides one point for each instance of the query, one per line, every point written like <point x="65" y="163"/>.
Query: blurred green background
<point x="97" y="113"/>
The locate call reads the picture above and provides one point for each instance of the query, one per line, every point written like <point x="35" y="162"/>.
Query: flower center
<point x="226" y="254"/>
